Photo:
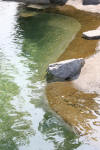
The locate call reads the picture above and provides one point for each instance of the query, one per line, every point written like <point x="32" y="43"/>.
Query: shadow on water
<point x="53" y="130"/>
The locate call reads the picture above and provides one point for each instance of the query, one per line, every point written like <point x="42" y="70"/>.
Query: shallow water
<point x="27" y="46"/>
<point x="80" y="106"/>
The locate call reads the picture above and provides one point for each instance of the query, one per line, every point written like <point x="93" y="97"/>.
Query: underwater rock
<point x="65" y="69"/>
<point x="93" y="34"/>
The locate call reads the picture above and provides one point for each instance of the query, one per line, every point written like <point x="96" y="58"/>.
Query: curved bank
<point x="79" y="109"/>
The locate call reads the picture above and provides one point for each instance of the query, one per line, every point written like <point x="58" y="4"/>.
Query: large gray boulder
<point x="93" y="34"/>
<point x="66" y="69"/>
<point x="91" y="2"/>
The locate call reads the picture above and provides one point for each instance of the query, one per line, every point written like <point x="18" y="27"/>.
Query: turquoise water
<point x="27" y="46"/>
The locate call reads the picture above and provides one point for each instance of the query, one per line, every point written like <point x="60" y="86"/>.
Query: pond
<point x="27" y="46"/>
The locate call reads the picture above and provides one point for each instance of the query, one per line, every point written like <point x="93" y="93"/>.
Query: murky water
<point x="27" y="46"/>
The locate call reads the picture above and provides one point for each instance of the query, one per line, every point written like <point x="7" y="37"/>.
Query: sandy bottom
<point x="80" y="110"/>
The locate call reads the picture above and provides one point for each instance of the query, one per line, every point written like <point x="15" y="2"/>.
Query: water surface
<point x="27" y="46"/>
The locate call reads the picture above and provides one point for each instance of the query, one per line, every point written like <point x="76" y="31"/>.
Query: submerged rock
<point x="91" y="2"/>
<point x="66" y="69"/>
<point x="93" y="34"/>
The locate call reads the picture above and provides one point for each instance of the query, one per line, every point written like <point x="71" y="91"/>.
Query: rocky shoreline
<point x="77" y="107"/>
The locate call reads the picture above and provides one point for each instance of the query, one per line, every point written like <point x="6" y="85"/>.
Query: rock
<point x="93" y="34"/>
<point x="41" y="2"/>
<point x="91" y="2"/>
<point x="44" y="2"/>
<point x="59" y="2"/>
<point x="38" y="7"/>
<point x="66" y="69"/>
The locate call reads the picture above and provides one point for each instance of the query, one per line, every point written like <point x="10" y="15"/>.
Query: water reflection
<point x="14" y="128"/>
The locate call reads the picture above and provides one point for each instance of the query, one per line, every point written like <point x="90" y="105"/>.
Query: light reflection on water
<point x="26" y="121"/>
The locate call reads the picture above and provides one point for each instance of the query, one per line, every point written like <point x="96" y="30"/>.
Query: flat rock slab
<point x="66" y="69"/>
<point x="93" y="34"/>
<point x="39" y="7"/>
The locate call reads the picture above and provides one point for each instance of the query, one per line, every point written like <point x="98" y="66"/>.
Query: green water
<point x="27" y="46"/>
